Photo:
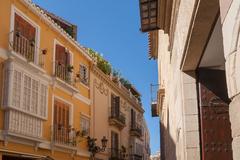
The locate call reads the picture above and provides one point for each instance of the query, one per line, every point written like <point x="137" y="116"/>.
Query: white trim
<point x="12" y="66"/>
<point x="82" y="98"/>
<point x="88" y="75"/>
<point x="70" y="109"/>
<point x="14" y="10"/>
<point x="65" y="86"/>
<point x="3" y="53"/>
<point x="85" y="115"/>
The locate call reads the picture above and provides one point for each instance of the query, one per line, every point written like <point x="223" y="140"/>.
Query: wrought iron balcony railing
<point x="116" y="154"/>
<point x="117" y="118"/>
<point x="26" y="48"/>
<point x="136" y="129"/>
<point x="64" y="72"/>
<point x="65" y="136"/>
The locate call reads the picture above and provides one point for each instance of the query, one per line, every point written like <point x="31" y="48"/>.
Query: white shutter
<point x="34" y="98"/>
<point x="43" y="100"/>
<point x="27" y="93"/>
<point x="16" y="90"/>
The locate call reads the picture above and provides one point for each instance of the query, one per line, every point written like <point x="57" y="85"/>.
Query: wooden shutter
<point x="112" y="105"/>
<point x="25" y="28"/>
<point x="133" y="118"/>
<point x="61" y="114"/>
<point x="117" y="104"/>
<point x="60" y="54"/>
<point x="114" y="140"/>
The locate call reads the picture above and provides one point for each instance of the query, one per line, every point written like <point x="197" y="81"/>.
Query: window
<point x="115" y="105"/>
<point x="83" y="74"/>
<point x="28" y="94"/>
<point x="133" y="118"/>
<point x="61" y="114"/>
<point x="63" y="68"/>
<point x="61" y="126"/>
<point x="24" y="38"/>
<point x="114" y="144"/>
<point x="43" y="100"/>
<point x="85" y="126"/>
<point x="17" y="80"/>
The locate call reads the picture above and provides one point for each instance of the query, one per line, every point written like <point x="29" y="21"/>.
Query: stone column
<point x="190" y="117"/>
<point x="230" y="17"/>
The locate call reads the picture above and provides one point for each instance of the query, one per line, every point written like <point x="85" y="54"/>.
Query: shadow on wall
<point x="168" y="146"/>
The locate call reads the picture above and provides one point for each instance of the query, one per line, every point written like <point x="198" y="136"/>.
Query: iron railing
<point x="64" y="72"/>
<point x="64" y="135"/>
<point x="116" y="154"/>
<point x="136" y="129"/>
<point x="117" y="115"/>
<point x="27" y="48"/>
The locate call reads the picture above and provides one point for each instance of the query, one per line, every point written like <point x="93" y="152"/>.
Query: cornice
<point x="96" y="71"/>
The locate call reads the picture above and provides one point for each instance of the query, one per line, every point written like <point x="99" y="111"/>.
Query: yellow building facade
<point x="44" y="82"/>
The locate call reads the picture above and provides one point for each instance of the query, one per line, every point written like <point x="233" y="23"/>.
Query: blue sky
<point x="111" y="27"/>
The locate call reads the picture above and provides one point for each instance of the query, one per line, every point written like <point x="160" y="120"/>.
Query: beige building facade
<point x="117" y="115"/>
<point x="196" y="44"/>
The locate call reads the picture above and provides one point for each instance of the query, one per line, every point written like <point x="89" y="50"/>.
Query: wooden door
<point x="114" y="144"/>
<point x="214" y="115"/>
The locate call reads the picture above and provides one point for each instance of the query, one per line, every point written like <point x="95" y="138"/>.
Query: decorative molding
<point x="3" y="53"/>
<point x="100" y="86"/>
<point x="115" y="87"/>
<point x="82" y="98"/>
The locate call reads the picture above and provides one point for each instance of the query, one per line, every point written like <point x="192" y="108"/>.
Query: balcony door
<point x="133" y="118"/>
<point x="24" y="38"/>
<point x="61" y="122"/>
<point x="114" y="144"/>
<point x="62" y="63"/>
<point x="115" y="106"/>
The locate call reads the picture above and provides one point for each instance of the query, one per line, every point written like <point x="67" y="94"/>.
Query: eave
<point x="153" y="44"/>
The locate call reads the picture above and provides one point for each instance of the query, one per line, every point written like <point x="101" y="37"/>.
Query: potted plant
<point x="70" y="68"/>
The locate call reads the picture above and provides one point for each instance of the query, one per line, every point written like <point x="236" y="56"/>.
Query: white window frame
<point x="87" y="73"/>
<point x="14" y="10"/>
<point x="85" y="117"/>
<point x="23" y="73"/>
<point x="55" y="42"/>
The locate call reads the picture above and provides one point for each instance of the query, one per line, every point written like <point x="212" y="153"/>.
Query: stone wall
<point x="180" y="117"/>
<point x="231" y="35"/>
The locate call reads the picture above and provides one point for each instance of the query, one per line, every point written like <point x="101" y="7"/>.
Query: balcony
<point x="27" y="49"/>
<point x="117" y="119"/>
<point x="64" y="72"/>
<point x="64" y="136"/>
<point x="22" y="125"/>
<point x="116" y="154"/>
<point x="136" y="130"/>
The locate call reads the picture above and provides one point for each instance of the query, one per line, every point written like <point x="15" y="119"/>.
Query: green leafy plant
<point x="102" y="64"/>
